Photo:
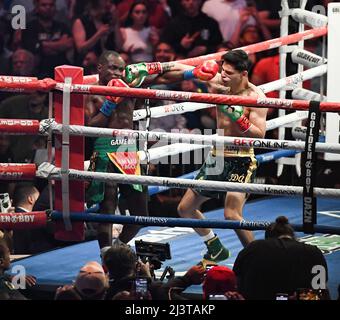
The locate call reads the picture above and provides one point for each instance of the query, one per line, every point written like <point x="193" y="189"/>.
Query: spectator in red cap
<point x="218" y="281"/>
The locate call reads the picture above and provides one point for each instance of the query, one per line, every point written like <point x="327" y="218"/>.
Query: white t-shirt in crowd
<point x="226" y="14"/>
<point x="137" y="44"/>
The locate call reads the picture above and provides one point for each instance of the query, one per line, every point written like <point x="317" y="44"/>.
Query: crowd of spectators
<point x="77" y="32"/>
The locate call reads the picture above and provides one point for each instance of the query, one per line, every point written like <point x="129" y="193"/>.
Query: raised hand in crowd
<point x="188" y="40"/>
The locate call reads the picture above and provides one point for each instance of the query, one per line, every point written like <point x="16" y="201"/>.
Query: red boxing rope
<point x="15" y="79"/>
<point x="261" y="46"/>
<point x="23" y="220"/>
<point x="25" y="84"/>
<point x="202" y="97"/>
<point x="186" y="96"/>
<point x="15" y="171"/>
<point x="19" y="126"/>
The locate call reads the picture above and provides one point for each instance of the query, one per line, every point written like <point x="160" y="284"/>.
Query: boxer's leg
<point x="136" y="203"/>
<point x="233" y="208"/>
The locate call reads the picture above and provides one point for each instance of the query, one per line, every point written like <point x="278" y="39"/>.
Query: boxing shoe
<point x="216" y="251"/>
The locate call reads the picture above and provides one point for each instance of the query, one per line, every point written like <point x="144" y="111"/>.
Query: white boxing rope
<point x="304" y="94"/>
<point x="300" y="133"/>
<point x="177" y="148"/>
<point x="170" y="150"/>
<point x="309" y="18"/>
<point x="292" y="81"/>
<point x="289" y="118"/>
<point x="270" y="124"/>
<point x="170" y="109"/>
<point x="163" y="151"/>
<point x="179" y="108"/>
<point x="195" y="138"/>
<point x="307" y="58"/>
<point x="49" y="171"/>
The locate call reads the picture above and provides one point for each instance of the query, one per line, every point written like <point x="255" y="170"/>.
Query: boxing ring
<point x="69" y="175"/>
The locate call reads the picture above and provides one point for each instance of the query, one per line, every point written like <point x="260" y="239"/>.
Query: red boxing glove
<point x="116" y="83"/>
<point x="206" y="71"/>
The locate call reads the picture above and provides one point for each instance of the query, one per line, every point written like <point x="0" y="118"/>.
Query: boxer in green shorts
<point x="116" y="154"/>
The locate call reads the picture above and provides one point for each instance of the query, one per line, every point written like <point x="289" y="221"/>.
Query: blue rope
<point x="182" y="222"/>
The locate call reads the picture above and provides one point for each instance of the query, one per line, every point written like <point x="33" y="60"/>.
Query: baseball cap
<point x="91" y="280"/>
<point x="218" y="280"/>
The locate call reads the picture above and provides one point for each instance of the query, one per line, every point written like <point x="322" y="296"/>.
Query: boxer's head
<point x="110" y="66"/>
<point x="235" y="66"/>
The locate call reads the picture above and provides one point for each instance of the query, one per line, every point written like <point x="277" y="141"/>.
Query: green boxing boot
<point x="216" y="251"/>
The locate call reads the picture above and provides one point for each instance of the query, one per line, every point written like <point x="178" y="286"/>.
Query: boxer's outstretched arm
<point x="177" y="72"/>
<point x="173" y="72"/>
<point x="168" y="72"/>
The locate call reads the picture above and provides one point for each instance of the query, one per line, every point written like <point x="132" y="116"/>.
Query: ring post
<point x="309" y="168"/>
<point x="76" y="153"/>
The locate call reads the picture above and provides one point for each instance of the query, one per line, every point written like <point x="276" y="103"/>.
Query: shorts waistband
<point x="231" y="151"/>
<point x="112" y="144"/>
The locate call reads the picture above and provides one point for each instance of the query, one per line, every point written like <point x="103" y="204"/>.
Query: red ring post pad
<point x="76" y="158"/>
<point x="23" y="220"/>
<point x="19" y="126"/>
<point x="17" y="171"/>
<point x="25" y="84"/>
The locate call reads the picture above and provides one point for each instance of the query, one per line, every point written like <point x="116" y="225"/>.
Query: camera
<point x="153" y="252"/>
<point x="5" y="202"/>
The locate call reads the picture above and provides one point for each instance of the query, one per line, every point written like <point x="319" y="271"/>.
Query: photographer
<point x="125" y="270"/>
